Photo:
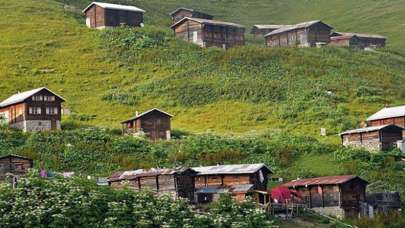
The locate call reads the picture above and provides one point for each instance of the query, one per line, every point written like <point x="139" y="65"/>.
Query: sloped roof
<point x="147" y="112"/>
<point x="390" y="112"/>
<point x="208" y="22"/>
<point x="230" y="169"/>
<point x="296" y="26"/>
<point x="114" y="6"/>
<point x="128" y="175"/>
<point x="15" y="156"/>
<point x="269" y="26"/>
<point x="361" y="35"/>
<point x="188" y="9"/>
<point x="20" y="97"/>
<point x="369" y="129"/>
<point x="241" y="187"/>
<point x="212" y="190"/>
<point x="328" y="180"/>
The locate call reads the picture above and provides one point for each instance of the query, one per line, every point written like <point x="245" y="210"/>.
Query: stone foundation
<point x="331" y="211"/>
<point x="35" y="125"/>
<point x="372" y="144"/>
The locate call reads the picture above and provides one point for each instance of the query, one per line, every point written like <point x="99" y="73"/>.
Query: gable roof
<point x="207" y="22"/>
<point x="132" y="174"/>
<point x="389" y="112"/>
<point x="15" y="156"/>
<point x="188" y="9"/>
<point x="328" y="180"/>
<point x="360" y="35"/>
<point x="20" y="97"/>
<point x="114" y="6"/>
<point x="269" y="26"/>
<point x="296" y="26"/>
<point x="370" y="129"/>
<point x="230" y="169"/>
<point x="147" y="112"/>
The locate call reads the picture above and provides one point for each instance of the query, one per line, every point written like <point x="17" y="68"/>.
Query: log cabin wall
<point x="155" y="125"/>
<point x="400" y="121"/>
<point x="95" y="17"/>
<point x="223" y="36"/>
<point x="190" y="31"/>
<point x="318" y="33"/>
<point x="114" y="18"/>
<point x="352" y="194"/>
<point x="181" y="14"/>
<point x="15" y="165"/>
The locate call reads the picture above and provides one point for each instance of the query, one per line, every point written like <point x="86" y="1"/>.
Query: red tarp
<point x="282" y="194"/>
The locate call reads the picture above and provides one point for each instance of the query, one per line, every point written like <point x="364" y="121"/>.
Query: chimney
<point x="136" y="113"/>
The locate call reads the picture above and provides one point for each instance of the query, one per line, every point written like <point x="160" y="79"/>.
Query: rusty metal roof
<point x="209" y="22"/>
<point x="328" y="180"/>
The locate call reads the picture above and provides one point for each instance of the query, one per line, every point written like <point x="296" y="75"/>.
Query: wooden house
<point x="209" y="33"/>
<point x="339" y="196"/>
<point x="344" y="39"/>
<point x="182" y="12"/>
<point x="154" y="124"/>
<point x="105" y="15"/>
<point x="176" y="182"/>
<point x="383" y="202"/>
<point x="388" y="115"/>
<point x="240" y="181"/>
<point x="14" y="165"/>
<point x="261" y="30"/>
<point x="306" y="34"/>
<point x="34" y="110"/>
<point x="375" y="138"/>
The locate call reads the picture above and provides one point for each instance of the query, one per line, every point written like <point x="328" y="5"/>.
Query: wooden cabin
<point x="377" y="138"/>
<point x="105" y="15"/>
<point x="339" y="196"/>
<point x="388" y="115"/>
<point x="240" y="181"/>
<point x="383" y="202"/>
<point x="182" y="12"/>
<point x="209" y="33"/>
<point x="175" y="182"/>
<point x="261" y="30"/>
<point x="14" y="165"/>
<point x="306" y="34"/>
<point x="34" y="110"/>
<point x="154" y="124"/>
<point x="344" y="39"/>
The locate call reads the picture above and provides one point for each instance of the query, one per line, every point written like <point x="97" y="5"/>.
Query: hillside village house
<point x="374" y="138"/>
<point x="154" y="124"/>
<point x="306" y="34"/>
<point x="14" y="165"/>
<point x="339" y="196"/>
<point x="240" y="181"/>
<point x="175" y="182"/>
<point x="35" y="110"/>
<point x="262" y="30"/>
<point x="105" y="15"/>
<point x="182" y="12"/>
<point x="209" y="33"/>
<point x="344" y="39"/>
<point x="388" y="115"/>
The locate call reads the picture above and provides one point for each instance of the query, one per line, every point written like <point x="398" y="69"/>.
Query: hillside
<point x="107" y="76"/>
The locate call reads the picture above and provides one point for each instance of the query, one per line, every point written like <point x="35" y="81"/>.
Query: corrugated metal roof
<point x="366" y="129"/>
<point x="188" y="9"/>
<point x="114" y="6"/>
<point x="145" y="113"/>
<point x="212" y="190"/>
<point x="207" y="21"/>
<point x="269" y="26"/>
<point x="230" y="169"/>
<point x="131" y="174"/>
<point x="361" y="35"/>
<point x="389" y="112"/>
<point x="322" y="181"/>
<point x="296" y="26"/>
<point x="20" y="97"/>
<point x="241" y="188"/>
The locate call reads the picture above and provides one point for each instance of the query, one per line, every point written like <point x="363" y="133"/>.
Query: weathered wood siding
<point x="114" y="18"/>
<point x="181" y="14"/>
<point x="96" y="15"/>
<point x="14" y="165"/>
<point x="190" y="31"/>
<point x="223" y="37"/>
<point x="305" y="37"/>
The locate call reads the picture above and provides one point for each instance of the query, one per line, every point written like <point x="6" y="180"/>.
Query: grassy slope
<point x="52" y="40"/>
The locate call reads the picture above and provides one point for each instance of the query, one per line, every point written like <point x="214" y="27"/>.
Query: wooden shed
<point x="102" y="15"/>
<point x="262" y="30"/>
<point x="34" y="110"/>
<point x="306" y="34"/>
<point x="375" y="138"/>
<point x="175" y="182"/>
<point x="358" y="40"/>
<point x="339" y="196"/>
<point x="154" y="124"/>
<point x="209" y="33"/>
<point x="14" y="165"/>
<point x="388" y="115"/>
<point x="182" y="12"/>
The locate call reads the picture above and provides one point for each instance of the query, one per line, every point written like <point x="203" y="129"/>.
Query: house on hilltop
<point x="306" y="34"/>
<point x="262" y="30"/>
<point x="344" y="39"/>
<point x="182" y="12"/>
<point x="35" y="110"/>
<point x="14" y="165"/>
<point x="339" y="196"/>
<point x="102" y="15"/>
<point x="209" y="33"/>
<point x="154" y="124"/>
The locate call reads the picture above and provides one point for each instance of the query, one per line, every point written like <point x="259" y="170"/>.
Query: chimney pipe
<point x="136" y="113"/>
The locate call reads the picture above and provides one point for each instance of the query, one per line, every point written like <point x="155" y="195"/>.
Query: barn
<point x="14" y="165"/>
<point x="339" y="196"/>
<point x="388" y="115"/>
<point x="261" y="30"/>
<point x="358" y="40"/>
<point x="375" y="138"/>
<point x="209" y="33"/>
<point x="154" y="124"/>
<point x="182" y="12"/>
<point x="106" y="15"/>
<point x="306" y="34"/>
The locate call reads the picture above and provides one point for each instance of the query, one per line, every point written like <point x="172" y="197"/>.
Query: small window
<point x="39" y="110"/>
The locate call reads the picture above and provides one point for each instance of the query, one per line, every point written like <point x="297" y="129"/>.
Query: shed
<point x="14" y="165"/>
<point x="339" y="196"/>
<point x="183" y="12"/>
<point x="359" y="40"/>
<point x="102" y="15"/>
<point x="306" y="34"/>
<point x="262" y="30"/>
<point x="154" y="124"/>
<point x="375" y="138"/>
<point x="209" y="33"/>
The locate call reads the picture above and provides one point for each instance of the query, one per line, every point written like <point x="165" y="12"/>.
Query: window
<point x="38" y="98"/>
<point x="51" y="110"/>
<point x="49" y="98"/>
<point x="34" y="110"/>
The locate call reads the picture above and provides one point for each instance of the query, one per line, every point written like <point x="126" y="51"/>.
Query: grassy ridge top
<point x="106" y="76"/>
